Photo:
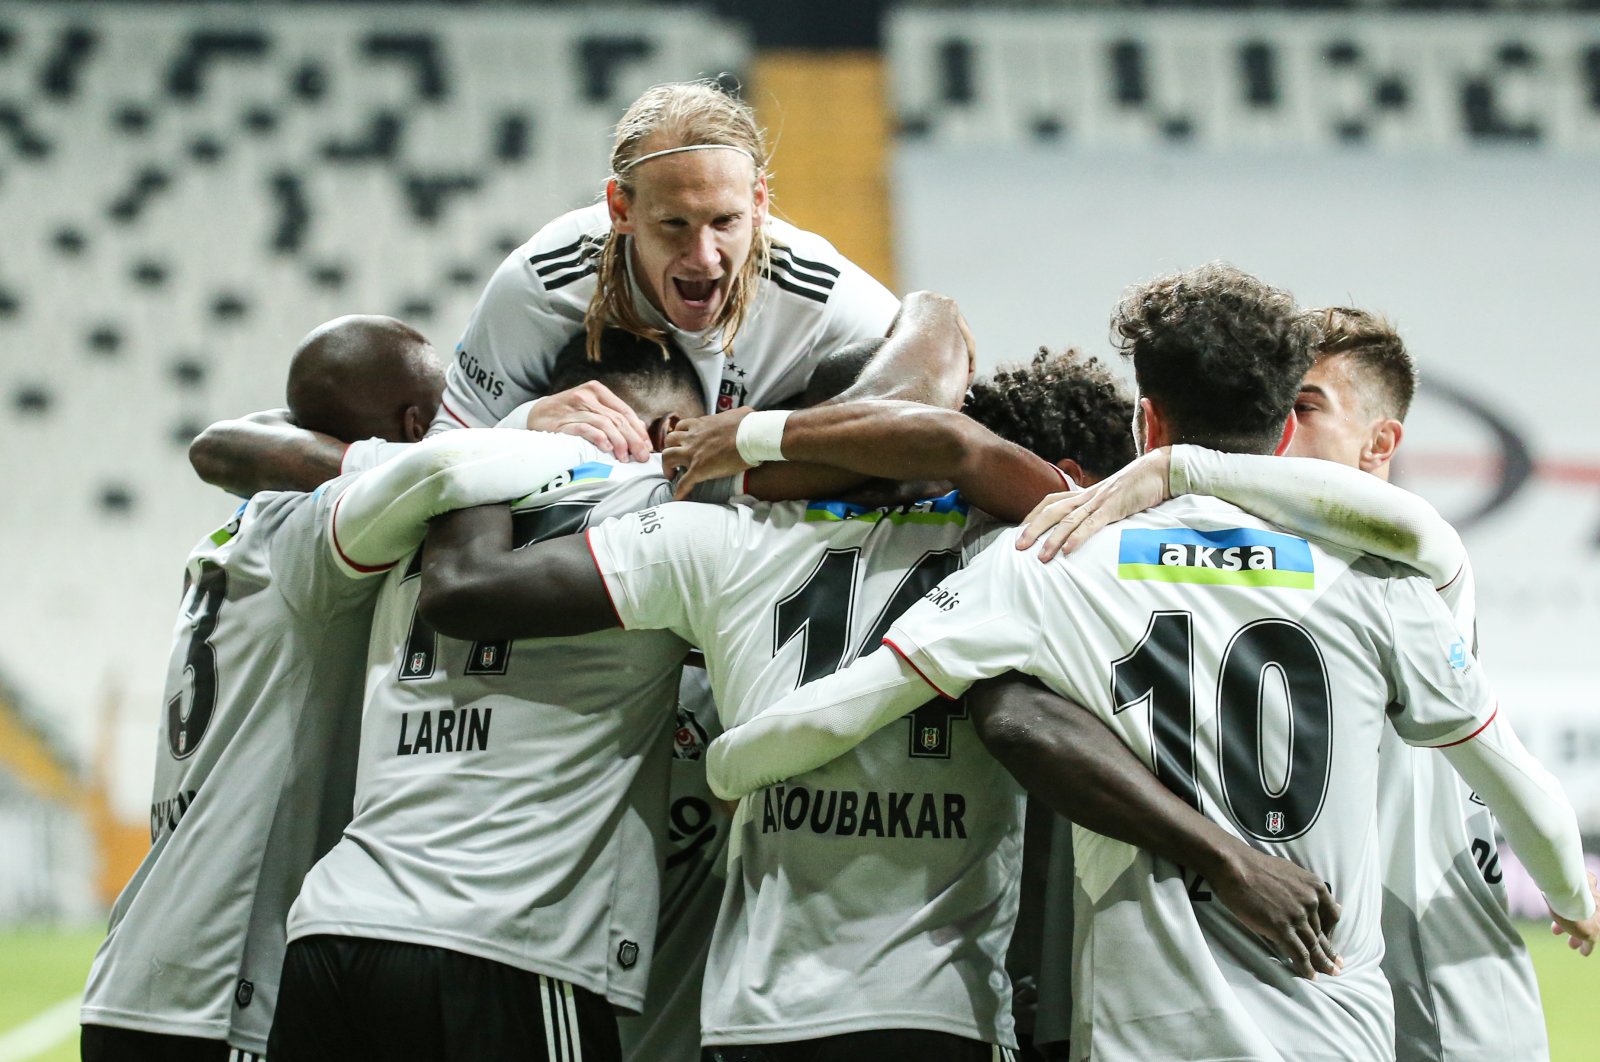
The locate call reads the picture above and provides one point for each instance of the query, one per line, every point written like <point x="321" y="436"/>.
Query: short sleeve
<point x="858" y="308"/>
<point x="663" y="566"/>
<point x="304" y="568"/>
<point x="1441" y="694"/>
<point x="1460" y="596"/>
<point x="980" y="622"/>
<point x="506" y="352"/>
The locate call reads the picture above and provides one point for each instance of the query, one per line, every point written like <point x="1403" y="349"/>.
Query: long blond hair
<point x="679" y="114"/>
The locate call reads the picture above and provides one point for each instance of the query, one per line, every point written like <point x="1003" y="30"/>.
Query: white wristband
<point x="760" y="436"/>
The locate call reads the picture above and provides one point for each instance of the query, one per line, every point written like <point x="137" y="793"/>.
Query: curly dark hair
<point x="1059" y="406"/>
<point x="1220" y="351"/>
<point x="1386" y="373"/>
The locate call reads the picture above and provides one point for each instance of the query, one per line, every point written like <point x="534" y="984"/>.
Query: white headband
<point x="686" y="147"/>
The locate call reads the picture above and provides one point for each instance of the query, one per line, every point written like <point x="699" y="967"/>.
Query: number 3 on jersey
<point x="186" y="728"/>
<point x="819" y="614"/>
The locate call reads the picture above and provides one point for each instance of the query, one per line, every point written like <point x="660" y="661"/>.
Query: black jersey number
<point x="203" y="606"/>
<point x="417" y="661"/>
<point x="819" y="613"/>
<point x="1158" y="676"/>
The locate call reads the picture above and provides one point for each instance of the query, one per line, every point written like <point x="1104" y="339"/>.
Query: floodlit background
<point x="186" y="189"/>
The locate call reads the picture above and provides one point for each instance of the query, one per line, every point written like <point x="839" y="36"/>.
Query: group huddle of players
<point x="477" y="739"/>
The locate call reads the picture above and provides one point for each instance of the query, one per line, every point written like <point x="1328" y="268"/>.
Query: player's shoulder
<point x="681" y="528"/>
<point x="598" y="477"/>
<point x="243" y="543"/>
<point x="928" y="523"/>
<point x="1200" y="539"/>
<point x="807" y="266"/>
<point x="565" y="251"/>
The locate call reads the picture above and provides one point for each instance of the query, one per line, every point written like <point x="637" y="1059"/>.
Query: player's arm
<point x="930" y="357"/>
<point x="656" y="569"/>
<point x="1442" y="699"/>
<point x="476" y="587"/>
<point x="929" y="329"/>
<point x="1538" y="821"/>
<point x="383" y="515"/>
<point x="1322" y="499"/>
<point x="503" y="361"/>
<point x="1068" y="758"/>
<point x="976" y="624"/>
<point x="815" y="724"/>
<point x="909" y="441"/>
<point x="265" y="451"/>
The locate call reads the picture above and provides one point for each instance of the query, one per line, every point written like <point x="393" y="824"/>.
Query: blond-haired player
<point x="683" y="246"/>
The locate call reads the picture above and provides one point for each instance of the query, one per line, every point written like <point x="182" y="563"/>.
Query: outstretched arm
<point x="1321" y="499"/>
<point x="889" y="440"/>
<point x="476" y="586"/>
<point x="265" y="451"/>
<point x="928" y="359"/>
<point x="384" y="514"/>
<point x="1072" y="761"/>
<point x="1538" y="821"/>
<point x="819" y="722"/>
<point x="978" y="623"/>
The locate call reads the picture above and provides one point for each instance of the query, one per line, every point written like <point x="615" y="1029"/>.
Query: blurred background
<point x="186" y="189"/>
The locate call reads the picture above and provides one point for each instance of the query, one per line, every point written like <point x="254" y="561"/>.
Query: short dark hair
<point x="1061" y="405"/>
<point x="1220" y="351"/>
<point x="1388" y="376"/>
<point x="355" y="376"/>
<point x="640" y="371"/>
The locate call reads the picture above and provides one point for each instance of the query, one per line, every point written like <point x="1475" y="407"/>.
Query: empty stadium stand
<point x="1258" y="82"/>
<point x="185" y="191"/>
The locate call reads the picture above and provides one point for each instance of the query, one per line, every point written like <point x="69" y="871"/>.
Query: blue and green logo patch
<point x="946" y="509"/>
<point x="1235" y="556"/>
<point x="588" y="472"/>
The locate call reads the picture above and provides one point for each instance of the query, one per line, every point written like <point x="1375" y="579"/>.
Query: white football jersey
<point x="877" y="891"/>
<point x="509" y="794"/>
<point x="1464" y="987"/>
<point x="668" y="1030"/>
<point x="1254" y="671"/>
<point x="255" y="768"/>
<point x="812" y="301"/>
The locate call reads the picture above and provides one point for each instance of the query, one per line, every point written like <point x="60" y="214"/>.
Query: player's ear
<point x="1149" y="426"/>
<point x="759" y="213"/>
<point x="659" y="428"/>
<point x="1075" y="471"/>
<point x="1289" y="426"/>
<point x="621" y="210"/>
<point x="414" y="424"/>
<point x="1381" y="447"/>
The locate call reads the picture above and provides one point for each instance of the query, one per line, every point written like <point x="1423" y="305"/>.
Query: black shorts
<point x="876" y="1045"/>
<point x="107" y="1043"/>
<point x="345" y="998"/>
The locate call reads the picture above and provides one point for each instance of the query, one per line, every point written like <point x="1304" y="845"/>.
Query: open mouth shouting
<point x="699" y="300"/>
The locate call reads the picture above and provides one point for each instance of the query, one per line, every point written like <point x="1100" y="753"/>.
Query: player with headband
<point x="682" y="247"/>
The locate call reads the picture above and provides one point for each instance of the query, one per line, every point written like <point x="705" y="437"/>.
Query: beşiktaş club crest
<point x="733" y="392"/>
<point x="930" y="737"/>
<point x="689" y="741"/>
<point x="1274" y="822"/>
<point x="418" y="660"/>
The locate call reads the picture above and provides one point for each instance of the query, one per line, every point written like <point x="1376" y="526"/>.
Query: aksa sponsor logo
<point x="1234" y="556"/>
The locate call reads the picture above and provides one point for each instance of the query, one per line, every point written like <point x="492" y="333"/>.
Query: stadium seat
<point x="185" y="197"/>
